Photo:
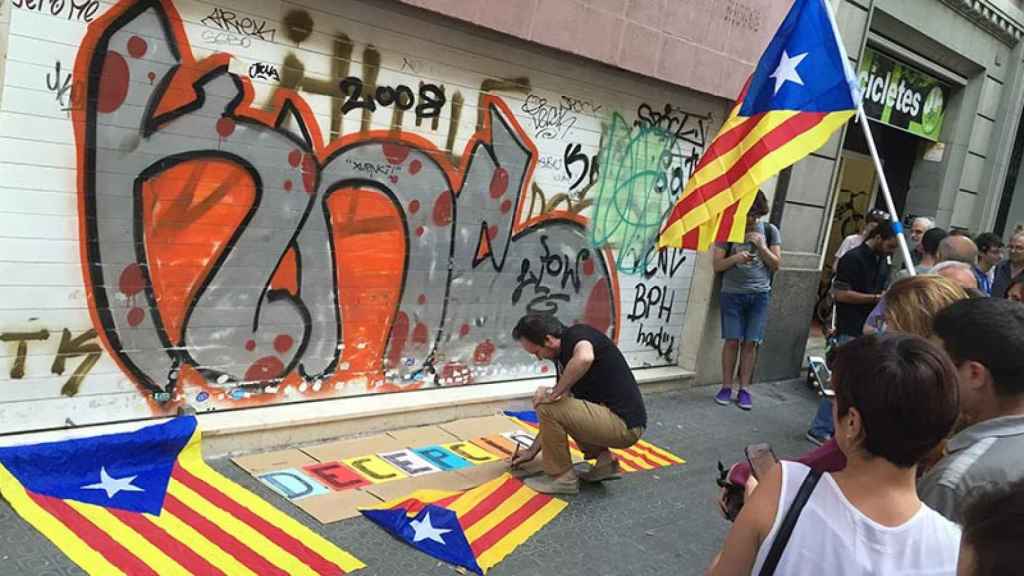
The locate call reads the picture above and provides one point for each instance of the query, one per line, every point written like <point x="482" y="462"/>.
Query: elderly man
<point x="1012" y="269"/>
<point x="958" y="249"/>
<point x="918" y="227"/>
<point x="959" y="273"/>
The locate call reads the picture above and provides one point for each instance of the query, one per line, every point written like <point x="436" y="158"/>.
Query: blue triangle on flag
<point x="435" y="531"/>
<point x="524" y="415"/>
<point x="803" y="67"/>
<point x="128" y="470"/>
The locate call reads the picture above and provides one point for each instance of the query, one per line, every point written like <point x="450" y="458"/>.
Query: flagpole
<point x="862" y="119"/>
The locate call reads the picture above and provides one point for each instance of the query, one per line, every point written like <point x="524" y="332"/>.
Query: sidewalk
<point x="655" y="522"/>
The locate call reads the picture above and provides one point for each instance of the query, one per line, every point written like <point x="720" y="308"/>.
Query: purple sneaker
<point x="743" y="400"/>
<point x="724" y="396"/>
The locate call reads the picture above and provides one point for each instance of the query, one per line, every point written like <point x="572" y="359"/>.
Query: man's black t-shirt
<point x="609" y="381"/>
<point x="860" y="270"/>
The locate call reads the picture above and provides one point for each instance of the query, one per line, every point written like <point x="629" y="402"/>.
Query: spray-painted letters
<point x="259" y="255"/>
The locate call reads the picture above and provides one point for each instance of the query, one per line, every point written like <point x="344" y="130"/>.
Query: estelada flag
<point x="802" y="91"/>
<point x="144" y="502"/>
<point x="474" y="529"/>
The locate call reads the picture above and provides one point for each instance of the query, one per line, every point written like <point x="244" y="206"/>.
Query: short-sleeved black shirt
<point x="860" y="270"/>
<point x="609" y="381"/>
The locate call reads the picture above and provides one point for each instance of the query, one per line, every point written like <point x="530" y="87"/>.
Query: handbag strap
<point x="789" y="522"/>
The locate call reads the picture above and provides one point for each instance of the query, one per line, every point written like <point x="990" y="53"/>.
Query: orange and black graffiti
<point x="230" y="248"/>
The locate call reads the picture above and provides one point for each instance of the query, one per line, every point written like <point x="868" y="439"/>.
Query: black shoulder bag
<point x="789" y="522"/>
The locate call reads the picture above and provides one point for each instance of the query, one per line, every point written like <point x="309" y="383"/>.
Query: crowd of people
<point x="919" y="467"/>
<point x="919" y="464"/>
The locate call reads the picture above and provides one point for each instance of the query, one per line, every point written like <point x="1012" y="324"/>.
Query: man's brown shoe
<point x="601" y="472"/>
<point x="547" y="485"/>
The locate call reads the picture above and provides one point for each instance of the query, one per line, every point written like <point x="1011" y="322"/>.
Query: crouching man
<point x="595" y="400"/>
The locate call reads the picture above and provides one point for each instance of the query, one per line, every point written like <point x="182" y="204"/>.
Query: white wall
<point x="165" y="242"/>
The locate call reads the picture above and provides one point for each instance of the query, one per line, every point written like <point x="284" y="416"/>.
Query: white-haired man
<point x="959" y="273"/>
<point x="918" y="227"/>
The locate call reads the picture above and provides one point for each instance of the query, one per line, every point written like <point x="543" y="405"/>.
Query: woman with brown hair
<point x="911" y="303"/>
<point x="895" y="399"/>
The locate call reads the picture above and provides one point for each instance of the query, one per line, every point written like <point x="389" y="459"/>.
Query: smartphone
<point x="761" y="458"/>
<point x="822" y="376"/>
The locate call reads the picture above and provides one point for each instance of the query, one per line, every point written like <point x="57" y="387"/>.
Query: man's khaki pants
<point x="593" y="426"/>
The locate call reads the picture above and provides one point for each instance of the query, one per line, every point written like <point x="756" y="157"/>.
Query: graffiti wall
<point x="224" y="205"/>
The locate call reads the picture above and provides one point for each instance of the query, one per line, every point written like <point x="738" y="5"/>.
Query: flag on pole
<point x="144" y="502"/>
<point x="474" y="529"/>
<point x="801" y="91"/>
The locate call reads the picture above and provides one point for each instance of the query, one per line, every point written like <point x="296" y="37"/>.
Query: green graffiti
<point x="635" y="189"/>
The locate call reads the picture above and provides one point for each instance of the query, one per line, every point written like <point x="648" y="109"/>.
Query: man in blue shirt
<point x="990" y="254"/>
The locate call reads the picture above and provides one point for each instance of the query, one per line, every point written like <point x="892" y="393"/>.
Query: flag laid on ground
<point x="144" y="502"/>
<point x="641" y="456"/>
<point x="474" y="529"/>
<point x="802" y="91"/>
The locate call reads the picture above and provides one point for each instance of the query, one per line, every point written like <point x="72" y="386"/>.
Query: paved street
<point x="655" y="522"/>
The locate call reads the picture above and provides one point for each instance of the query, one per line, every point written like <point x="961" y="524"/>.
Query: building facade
<point x="942" y="82"/>
<point x="261" y="203"/>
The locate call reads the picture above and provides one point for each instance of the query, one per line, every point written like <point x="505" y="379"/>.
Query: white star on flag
<point x="426" y="531"/>
<point x="112" y="485"/>
<point x="786" y="72"/>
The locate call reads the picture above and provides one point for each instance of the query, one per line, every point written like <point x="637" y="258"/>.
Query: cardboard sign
<point x="344" y="449"/>
<point x="336" y="476"/>
<point x="278" y="460"/>
<point x="409" y="462"/>
<point x="471" y="452"/>
<point x="292" y="483"/>
<point x="484" y="473"/>
<point x="467" y="428"/>
<point x="336" y="506"/>
<point x="443" y="459"/>
<point x="443" y="481"/>
<point x="421" y="436"/>
<point x="521" y="437"/>
<point x="496" y="444"/>
<point x="374" y="469"/>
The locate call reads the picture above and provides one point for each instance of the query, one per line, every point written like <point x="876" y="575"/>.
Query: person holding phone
<point x="861" y="277"/>
<point x="746" y="270"/>
<point x="868" y="518"/>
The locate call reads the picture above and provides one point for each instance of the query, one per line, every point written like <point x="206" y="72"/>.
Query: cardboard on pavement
<point x="256" y="464"/>
<point x="341" y="502"/>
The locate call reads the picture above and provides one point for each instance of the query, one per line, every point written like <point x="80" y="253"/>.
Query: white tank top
<point x="833" y="537"/>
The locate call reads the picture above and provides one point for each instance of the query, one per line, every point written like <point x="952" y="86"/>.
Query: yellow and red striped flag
<point x="801" y="91"/>
<point x="145" y="503"/>
<point x="474" y="529"/>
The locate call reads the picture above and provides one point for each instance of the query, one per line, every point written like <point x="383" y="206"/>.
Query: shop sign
<point x="901" y="96"/>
